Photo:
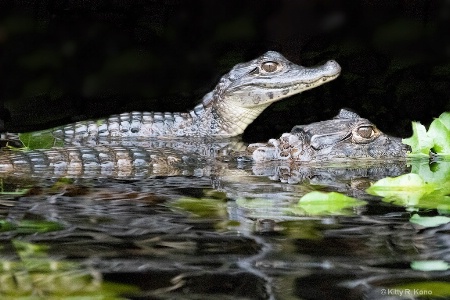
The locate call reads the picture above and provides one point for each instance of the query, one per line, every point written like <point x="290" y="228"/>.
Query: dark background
<point x="64" y="61"/>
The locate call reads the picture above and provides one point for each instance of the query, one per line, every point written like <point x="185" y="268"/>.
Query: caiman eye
<point x="365" y="132"/>
<point x="270" y="66"/>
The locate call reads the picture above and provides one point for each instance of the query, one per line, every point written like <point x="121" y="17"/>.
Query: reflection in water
<point x="232" y="235"/>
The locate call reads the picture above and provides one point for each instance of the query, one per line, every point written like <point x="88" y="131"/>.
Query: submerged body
<point x="238" y="99"/>
<point x="347" y="137"/>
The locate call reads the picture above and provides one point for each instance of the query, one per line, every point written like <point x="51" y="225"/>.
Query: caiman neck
<point x="219" y="118"/>
<point x="233" y="119"/>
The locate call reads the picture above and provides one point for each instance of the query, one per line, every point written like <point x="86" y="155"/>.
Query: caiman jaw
<point x="307" y="78"/>
<point x="259" y="88"/>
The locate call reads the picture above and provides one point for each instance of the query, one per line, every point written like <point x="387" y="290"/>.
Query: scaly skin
<point x="344" y="139"/>
<point x="347" y="137"/>
<point x="237" y="100"/>
<point x="101" y="161"/>
<point x="134" y="162"/>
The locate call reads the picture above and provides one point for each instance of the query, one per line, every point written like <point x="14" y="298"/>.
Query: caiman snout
<point x="332" y="68"/>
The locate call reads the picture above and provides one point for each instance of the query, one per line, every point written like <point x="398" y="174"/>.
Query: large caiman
<point x="238" y="99"/>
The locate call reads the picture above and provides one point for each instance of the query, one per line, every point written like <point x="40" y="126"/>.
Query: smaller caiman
<point x="347" y="137"/>
<point x="237" y="100"/>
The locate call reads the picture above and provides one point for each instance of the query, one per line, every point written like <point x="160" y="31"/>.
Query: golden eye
<point x="365" y="131"/>
<point x="269" y="66"/>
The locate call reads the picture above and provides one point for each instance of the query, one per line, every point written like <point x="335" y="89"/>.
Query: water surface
<point x="235" y="234"/>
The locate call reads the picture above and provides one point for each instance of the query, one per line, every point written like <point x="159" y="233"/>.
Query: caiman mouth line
<point x="290" y="85"/>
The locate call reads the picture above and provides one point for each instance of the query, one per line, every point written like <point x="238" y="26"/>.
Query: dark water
<point x="234" y="235"/>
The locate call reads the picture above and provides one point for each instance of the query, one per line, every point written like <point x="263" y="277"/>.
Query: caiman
<point x="237" y="100"/>
<point x="346" y="138"/>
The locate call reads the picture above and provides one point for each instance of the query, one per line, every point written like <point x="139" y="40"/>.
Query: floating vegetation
<point x="430" y="265"/>
<point x="30" y="226"/>
<point x="202" y="207"/>
<point x="428" y="186"/>
<point x="37" y="276"/>
<point x="321" y="203"/>
<point x="429" y="221"/>
<point x="435" y="139"/>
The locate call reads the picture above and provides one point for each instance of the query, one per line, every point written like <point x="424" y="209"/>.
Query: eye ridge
<point x="270" y="66"/>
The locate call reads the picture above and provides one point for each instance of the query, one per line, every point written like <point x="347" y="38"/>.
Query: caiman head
<point x="249" y="88"/>
<point x="346" y="137"/>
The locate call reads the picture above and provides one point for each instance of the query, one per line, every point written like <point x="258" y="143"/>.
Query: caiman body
<point x="346" y="138"/>
<point x="238" y="99"/>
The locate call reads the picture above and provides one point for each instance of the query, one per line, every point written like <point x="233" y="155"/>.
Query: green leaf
<point x="419" y="142"/>
<point x="319" y="203"/>
<point x="411" y="190"/>
<point x="202" y="207"/>
<point x="407" y="182"/>
<point x="6" y="226"/>
<point x="30" y="226"/>
<point x="441" y="137"/>
<point x="436" y="139"/>
<point x="436" y="201"/>
<point x="429" y="221"/>
<point x="445" y="119"/>
<point x="40" y="140"/>
<point x="26" y="249"/>
<point x="35" y="226"/>
<point x="436" y="172"/>
<point x="404" y="190"/>
<point x="430" y="265"/>
<point x="37" y="276"/>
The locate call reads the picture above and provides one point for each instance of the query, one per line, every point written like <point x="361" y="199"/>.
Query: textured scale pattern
<point x="134" y="124"/>
<point x="101" y="161"/>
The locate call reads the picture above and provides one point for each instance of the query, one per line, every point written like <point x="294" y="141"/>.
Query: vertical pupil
<point x="269" y="66"/>
<point x="365" y="132"/>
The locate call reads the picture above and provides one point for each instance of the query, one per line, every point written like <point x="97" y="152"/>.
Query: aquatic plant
<point x="436" y="139"/>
